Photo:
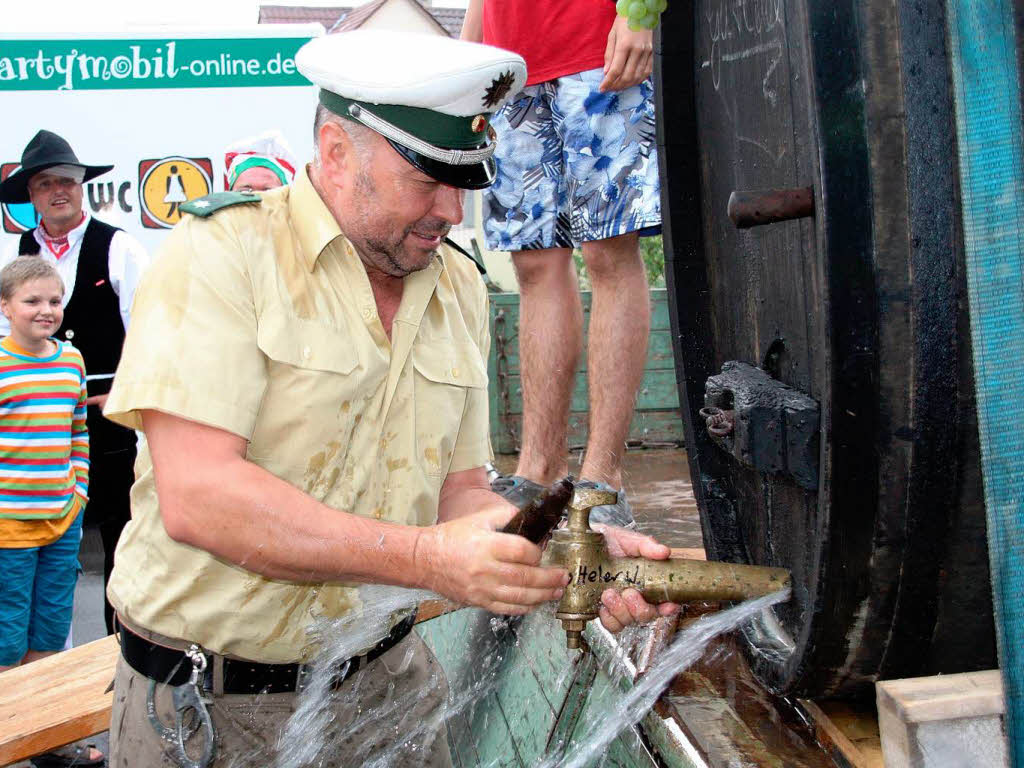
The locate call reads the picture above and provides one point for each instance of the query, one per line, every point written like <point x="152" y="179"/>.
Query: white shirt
<point x="126" y="261"/>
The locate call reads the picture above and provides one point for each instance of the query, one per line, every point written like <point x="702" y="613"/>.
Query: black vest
<point x="92" y="323"/>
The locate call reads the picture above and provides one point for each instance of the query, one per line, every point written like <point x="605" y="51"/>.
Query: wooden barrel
<point x="827" y="323"/>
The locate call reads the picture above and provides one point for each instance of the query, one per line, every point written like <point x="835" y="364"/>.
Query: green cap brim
<point x="437" y="128"/>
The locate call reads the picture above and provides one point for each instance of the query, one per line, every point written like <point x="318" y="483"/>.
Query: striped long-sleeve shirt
<point x="44" y="444"/>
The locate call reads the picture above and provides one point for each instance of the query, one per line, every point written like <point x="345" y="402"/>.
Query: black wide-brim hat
<point x="46" y="150"/>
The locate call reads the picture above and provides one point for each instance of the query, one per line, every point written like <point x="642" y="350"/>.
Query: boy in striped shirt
<point x="44" y="464"/>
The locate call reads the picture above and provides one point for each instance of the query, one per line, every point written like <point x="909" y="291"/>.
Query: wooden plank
<point x="481" y="734"/>
<point x="921" y="718"/>
<point x="492" y="735"/>
<point x="56" y="700"/>
<point x="718" y="707"/>
<point x="629" y="751"/>
<point x="524" y="702"/>
<point x="852" y="733"/>
<point x="944" y="697"/>
<point x="431" y="609"/>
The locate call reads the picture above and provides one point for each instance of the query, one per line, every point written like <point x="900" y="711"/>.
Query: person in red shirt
<point x="576" y="167"/>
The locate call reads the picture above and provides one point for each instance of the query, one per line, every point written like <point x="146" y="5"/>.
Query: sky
<point x="81" y="15"/>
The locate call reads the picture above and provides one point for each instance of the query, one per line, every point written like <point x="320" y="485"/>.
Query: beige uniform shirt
<point x="260" y="320"/>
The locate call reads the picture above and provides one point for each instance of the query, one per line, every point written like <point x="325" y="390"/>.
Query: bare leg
<point x="36" y="655"/>
<point x="550" y="341"/>
<point x="620" y="321"/>
<point x="29" y="656"/>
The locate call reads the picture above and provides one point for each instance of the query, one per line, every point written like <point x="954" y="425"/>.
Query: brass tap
<point x="584" y="553"/>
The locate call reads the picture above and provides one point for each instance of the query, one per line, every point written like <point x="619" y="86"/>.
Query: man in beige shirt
<point x="308" y="368"/>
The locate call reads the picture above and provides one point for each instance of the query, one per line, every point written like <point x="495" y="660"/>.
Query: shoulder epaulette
<point x="209" y="205"/>
<point x="479" y="264"/>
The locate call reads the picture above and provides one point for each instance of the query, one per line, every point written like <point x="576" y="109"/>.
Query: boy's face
<point x="35" y="310"/>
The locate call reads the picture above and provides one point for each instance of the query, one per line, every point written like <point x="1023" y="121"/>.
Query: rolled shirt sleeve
<point x="191" y="349"/>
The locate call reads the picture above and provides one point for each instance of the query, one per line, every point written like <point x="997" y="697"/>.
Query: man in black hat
<point x="100" y="266"/>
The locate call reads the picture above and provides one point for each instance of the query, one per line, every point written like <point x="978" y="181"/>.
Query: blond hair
<point x="22" y="270"/>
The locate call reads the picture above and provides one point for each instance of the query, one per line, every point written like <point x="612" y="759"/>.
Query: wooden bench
<point x="56" y="700"/>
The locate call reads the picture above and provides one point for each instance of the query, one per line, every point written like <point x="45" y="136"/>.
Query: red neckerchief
<point x="59" y="245"/>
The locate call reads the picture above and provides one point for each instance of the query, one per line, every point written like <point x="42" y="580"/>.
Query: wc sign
<point x="166" y="183"/>
<point x="161" y="107"/>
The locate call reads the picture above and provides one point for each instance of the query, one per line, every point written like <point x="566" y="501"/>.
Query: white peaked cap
<point x="453" y="77"/>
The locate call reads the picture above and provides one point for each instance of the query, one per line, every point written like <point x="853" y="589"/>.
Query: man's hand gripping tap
<point x="478" y="559"/>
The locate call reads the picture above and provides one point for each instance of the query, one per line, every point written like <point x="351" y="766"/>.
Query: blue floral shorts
<point x="574" y="165"/>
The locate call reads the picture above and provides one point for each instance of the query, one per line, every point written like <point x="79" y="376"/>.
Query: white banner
<point x="161" y="107"/>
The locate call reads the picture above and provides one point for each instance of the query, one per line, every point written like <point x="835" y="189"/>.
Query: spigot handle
<point x="585" y="499"/>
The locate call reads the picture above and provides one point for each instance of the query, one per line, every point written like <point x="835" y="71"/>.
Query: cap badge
<point x="498" y="89"/>
<point x="478" y="124"/>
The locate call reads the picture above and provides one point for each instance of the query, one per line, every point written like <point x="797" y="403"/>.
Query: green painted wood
<point x="524" y="703"/>
<point x="479" y="734"/>
<point x="657" y="408"/>
<point x="647" y="427"/>
<point x="626" y="751"/>
<point x="654" y="393"/>
<point x="659" y="306"/>
<point x="529" y="673"/>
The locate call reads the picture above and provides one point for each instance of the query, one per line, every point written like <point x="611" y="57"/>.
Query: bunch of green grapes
<point x="642" y="14"/>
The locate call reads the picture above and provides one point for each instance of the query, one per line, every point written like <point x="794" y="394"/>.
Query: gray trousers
<point x="389" y="713"/>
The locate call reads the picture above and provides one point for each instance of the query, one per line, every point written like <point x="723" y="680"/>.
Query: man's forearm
<point x="213" y="498"/>
<point x="473" y="22"/>
<point x="241" y="513"/>
<point x="466" y="492"/>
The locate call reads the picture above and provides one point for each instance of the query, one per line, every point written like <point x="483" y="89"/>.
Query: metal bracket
<point x="763" y="423"/>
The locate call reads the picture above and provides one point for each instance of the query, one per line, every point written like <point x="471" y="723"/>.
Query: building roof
<point x="338" y="18"/>
<point x="296" y="14"/>
<point x="355" y="18"/>
<point x="450" y="18"/>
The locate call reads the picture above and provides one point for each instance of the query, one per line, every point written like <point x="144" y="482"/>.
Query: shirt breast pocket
<point x="445" y="374"/>
<point x="310" y="384"/>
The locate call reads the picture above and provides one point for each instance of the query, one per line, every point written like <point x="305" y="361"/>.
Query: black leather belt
<point x="173" y="667"/>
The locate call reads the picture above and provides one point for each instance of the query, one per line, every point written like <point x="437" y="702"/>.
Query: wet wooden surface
<point x="847" y="731"/>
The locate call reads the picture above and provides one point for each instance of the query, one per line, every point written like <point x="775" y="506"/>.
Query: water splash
<point x="685" y="649"/>
<point x="304" y="739"/>
<point x="311" y="736"/>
